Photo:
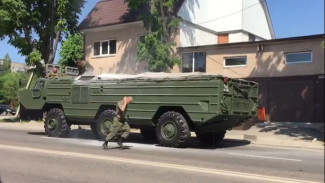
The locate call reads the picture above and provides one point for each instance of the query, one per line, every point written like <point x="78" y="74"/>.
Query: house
<point x="290" y="73"/>
<point x="17" y="67"/>
<point x="112" y="31"/>
<point x="233" y="38"/>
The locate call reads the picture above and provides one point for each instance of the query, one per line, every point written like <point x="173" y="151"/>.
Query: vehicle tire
<point x="172" y="130"/>
<point x="93" y="128"/>
<point x="103" y="123"/>
<point x="213" y="138"/>
<point x="148" y="133"/>
<point x="55" y="123"/>
<point x="5" y="113"/>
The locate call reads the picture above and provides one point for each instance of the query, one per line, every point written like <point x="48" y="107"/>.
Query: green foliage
<point x="137" y="4"/>
<point x="157" y="48"/>
<point x="158" y="54"/>
<point x="71" y="50"/>
<point x="34" y="58"/>
<point x="323" y="44"/>
<point x="5" y="67"/>
<point x="38" y="24"/>
<point x="9" y="86"/>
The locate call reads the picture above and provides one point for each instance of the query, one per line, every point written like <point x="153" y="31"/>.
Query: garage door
<point x="291" y="101"/>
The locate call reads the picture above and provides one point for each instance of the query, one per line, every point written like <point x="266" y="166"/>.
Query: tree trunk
<point x="55" y="46"/>
<point x="163" y="21"/>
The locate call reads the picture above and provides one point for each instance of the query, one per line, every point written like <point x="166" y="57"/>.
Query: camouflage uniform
<point x="119" y="129"/>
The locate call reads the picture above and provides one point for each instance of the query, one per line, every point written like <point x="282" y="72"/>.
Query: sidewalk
<point x="289" y="134"/>
<point x="296" y="135"/>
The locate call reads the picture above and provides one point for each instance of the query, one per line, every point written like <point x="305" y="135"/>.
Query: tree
<point x="37" y="26"/>
<point x="72" y="50"/>
<point x="157" y="48"/>
<point x="10" y="86"/>
<point x="7" y="63"/>
<point x="5" y="67"/>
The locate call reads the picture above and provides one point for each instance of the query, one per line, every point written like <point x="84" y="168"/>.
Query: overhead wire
<point x="262" y="1"/>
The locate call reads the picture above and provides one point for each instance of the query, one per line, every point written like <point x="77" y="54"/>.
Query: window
<point x="103" y="48"/>
<point x="299" y="57"/>
<point x="194" y="62"/>
<point x="235" y="61"/>
<point x="39" y="85"/>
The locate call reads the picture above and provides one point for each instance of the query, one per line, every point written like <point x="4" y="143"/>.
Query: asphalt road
<point x="30" y="156"/>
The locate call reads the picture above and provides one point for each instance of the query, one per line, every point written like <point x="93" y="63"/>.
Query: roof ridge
<point x="108" y="12"/>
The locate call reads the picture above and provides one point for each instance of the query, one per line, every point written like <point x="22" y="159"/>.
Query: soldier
<point x="119" y="129"/>
<point x="53" y="73"/>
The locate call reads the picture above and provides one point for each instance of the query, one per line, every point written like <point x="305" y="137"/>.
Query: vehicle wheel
<point x="103" y="123"/>
<point x="148" y="133"/>
<point x="5" y="113"/>
<point x="55" y="124"/>
<point x="172" y="130"/>
<point x="93" y="128"/>
<point x="213" y="138"/>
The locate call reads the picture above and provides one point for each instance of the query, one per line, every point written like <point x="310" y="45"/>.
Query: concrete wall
<point x="238" y="37"/>
<point x="267" y="63"/>
<point x="255" y="19"/>
<point x="125" y="60"/>
<point x="236" y="17"/>
<point x="193" y="36"/>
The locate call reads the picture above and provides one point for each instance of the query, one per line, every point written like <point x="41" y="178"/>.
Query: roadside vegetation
<point x="10" y="83"/>
<point x="158" y="46"/>
<point x="37" y="27"/>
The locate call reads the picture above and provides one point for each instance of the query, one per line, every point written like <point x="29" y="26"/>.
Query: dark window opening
<point x="235" y="61"/>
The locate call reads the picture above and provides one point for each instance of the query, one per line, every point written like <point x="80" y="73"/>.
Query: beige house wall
<point x="125" y="60"/>
<point x="17" y="67"/>
<point x="267" y="63"/>
<point x="270" y="62"/>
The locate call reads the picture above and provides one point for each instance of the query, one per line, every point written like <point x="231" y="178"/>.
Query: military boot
<point x="105" y="145"/>
<point x="120" y="143"/>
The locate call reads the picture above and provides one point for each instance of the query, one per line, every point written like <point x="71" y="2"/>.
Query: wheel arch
<point x="49" y="106"/>
<point x="163" y="109"/>
<point x="103" y="108"/>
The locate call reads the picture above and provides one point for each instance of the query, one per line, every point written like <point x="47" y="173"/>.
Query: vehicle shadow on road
<point x="137" y="138"/>
<point x="37" y="133"/>
<point x="295" y="130"/>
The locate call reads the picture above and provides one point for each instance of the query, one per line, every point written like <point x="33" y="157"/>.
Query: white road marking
<point x="159" y="164"/>
<point x="265" y="157"/>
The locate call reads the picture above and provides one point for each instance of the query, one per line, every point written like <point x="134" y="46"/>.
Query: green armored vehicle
<point x="166" y="106"/>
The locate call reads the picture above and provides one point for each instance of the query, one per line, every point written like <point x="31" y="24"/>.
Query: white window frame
<point x="193" y="60"/>
<point x="230" y="66"/>
<point x="101" y="48"/>
<point x="303" y="62"/>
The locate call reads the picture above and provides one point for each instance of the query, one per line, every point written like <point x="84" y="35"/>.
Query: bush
<point x="10" y="85"/>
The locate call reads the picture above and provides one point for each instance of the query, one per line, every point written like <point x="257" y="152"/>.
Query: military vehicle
<point x="166" y="106"/>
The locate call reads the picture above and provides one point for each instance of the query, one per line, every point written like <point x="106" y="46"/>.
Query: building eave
<point x="268" y="17"/>
<point x="264" y="42"/>
<point x="111" y="27"/>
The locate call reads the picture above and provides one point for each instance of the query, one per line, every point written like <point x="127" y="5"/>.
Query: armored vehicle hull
<point x="167" y="107"/>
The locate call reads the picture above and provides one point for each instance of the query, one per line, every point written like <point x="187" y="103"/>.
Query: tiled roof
<point x="108" y="12"/>
<point x="112" y="12"/>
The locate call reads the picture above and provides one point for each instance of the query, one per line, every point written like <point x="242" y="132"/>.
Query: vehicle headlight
<point x="8" y="110"/>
